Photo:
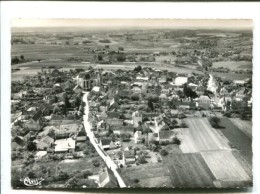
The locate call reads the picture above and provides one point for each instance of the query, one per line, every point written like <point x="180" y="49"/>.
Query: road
<point x="109" y="162"/>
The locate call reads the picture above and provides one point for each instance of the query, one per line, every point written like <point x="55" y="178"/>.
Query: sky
<point x="152" y="23"/>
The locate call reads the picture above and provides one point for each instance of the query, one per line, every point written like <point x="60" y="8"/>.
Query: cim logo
<point x="32" y="182"/>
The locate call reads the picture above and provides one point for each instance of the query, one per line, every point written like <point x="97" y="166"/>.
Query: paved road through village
<point x="109" y="162"/>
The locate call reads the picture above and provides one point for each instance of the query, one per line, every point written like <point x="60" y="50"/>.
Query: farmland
<point x="224" y="166"/>
<point x="245" y="126"/>
<point x="233" y="65"/>
<point x="201" y="137"/>
<point x="189" y="170"/>
<point x="149" y="175"/>
<point x="238" y="139"/>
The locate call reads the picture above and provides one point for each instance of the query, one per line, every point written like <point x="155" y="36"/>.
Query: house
<point x="107" y="143"/>
<point x="166" y="136"/>
<point x="150" y="116"/>
<point x="107" y="179"/>
<point x="114" y="121"/>
<point x="81" y="139"/>
<point x="203" y="102"/>
<point x="128" y="157"/>
<point x="122" y="129"/>
<point x="138" y="137"/>
<point x="77" y="89"/>
<point x="165" y="91"/>
<point x="111" y="114"/>
<point x="64" y="145"/>
<point x="44" y="143"/>
<point x="136" y="90"/>
<point x="59" y="120"/>
<point x="179" y="81"/>
<point x="69" y="130"/>
<point x="47" y="131"/>
<point x="103" y="116"/>
<point x="239" y="82"/>
<point x="101" y="126"/>
<point x="40" y="154"/>
<point x="137" y="117"/>
<point x="193" y="86"/>
<point x="153" y="137"/>
<point x="35" y="123"/>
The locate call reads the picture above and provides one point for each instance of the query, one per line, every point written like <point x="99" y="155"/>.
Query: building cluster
<point x="47" y="124"/>
<point x="144" y="106"/>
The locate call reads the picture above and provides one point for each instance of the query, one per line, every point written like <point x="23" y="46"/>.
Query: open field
<point x="234" y="65"/>
<point x="71" y="166"/>
<point x="189" y="171"/>
<point x="47" y="51"/>
<point x="201" y="137"/>
<point x="149" y="175"/>
<point x="245" y="126"/>
<point x="246" y="166"/>
<point x="238" y="139"/>
<point x="225" y="166"/>
<point x="232" y="76"/>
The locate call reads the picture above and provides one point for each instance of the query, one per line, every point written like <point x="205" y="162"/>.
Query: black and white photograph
<point x="131" y="103"/>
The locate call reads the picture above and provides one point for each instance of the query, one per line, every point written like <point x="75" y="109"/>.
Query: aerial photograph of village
<point x="131" y="104"/>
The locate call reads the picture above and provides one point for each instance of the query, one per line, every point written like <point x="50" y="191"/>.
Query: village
<point x="88" y="128"/>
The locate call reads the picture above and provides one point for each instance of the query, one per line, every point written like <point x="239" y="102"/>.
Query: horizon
<point x="134" y="23"/>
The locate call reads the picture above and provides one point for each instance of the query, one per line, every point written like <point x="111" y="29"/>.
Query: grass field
<point x="189" y="171"/>
<point x="201" y="137"/>
<point x="149" y="175"/>
<point x="234" y="65"/>
<point x="245" y="126"/>
<point x="225" y="166"/>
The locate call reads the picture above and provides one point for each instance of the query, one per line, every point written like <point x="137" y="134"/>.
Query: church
<point x="88" y="79"/>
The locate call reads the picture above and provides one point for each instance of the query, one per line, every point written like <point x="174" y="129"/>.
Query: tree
<point x="176" y="141"/>
<point x="15" y="60"/>
<point x="214" y="121"/>
<point x="141" y="160"/>
<point x="135" y="97"/>
<point x="31" y="146"/>
<point x="164" y="152"/>
<point x="121" y="48"/>
<point x="86" y="173"/>
<point x="180" y="94"/>
<point x="100" y="58"/>
<point x="22" y="57"/>
<point x="120" y="57"/>
<point x="150" y="104"/>
<point x="188" y="92"/>
<point x="66" y="101"/>
<point x="138" y="68"/>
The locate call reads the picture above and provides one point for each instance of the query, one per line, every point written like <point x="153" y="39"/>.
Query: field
<point x="149" y="175"/>
<point x="232" y="76"/>
<point x="238" y="139"/>
<point x="245" y="126"/>
<point x="225" y="166"/>
<point x="201" y="137"/>
<point x="189" y="171"/>
<point x="234" y="65"/>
